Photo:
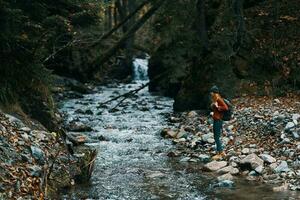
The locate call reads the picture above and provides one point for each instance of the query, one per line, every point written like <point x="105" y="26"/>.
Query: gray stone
<point x="296" y="116"/>
<point x="211" y="140"/>
<point x="253" y="173"/>
<point x="295" y="135"/>
<point x="228" y="169"/>
<point x="181" y="134"/>
<point x="253" y="160"/>
<point x="25" y="129"/>
<point x="225" y="183"/>
<point x="204" y="157"/>
<point x="168" y="133"/>
<point x="25" y="136"/>
<point x="282" y="167"/>
<point x="207" y="136"/>
<point x="259" y="169"/>
<point x="79" y="127"/>
<point x="38" y="154"/>
<point x="192" y="114"/>
<point x="185" y="159"/>
<point x="224" y="177"/>
<point x="267" y="158"/>
<point x="215" y="165"/>
<point x="246" y="151"/>
<point x="289" y="126"/>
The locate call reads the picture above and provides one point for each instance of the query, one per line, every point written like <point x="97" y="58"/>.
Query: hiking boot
<point x="219" y="156"/>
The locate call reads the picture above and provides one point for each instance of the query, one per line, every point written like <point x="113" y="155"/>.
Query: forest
<point x="86" y="85"/>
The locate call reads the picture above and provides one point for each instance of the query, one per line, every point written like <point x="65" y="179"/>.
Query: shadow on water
<point x="132" y="162"/>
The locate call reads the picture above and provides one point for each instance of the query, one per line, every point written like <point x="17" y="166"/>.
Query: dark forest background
<point x="247" y="47"/>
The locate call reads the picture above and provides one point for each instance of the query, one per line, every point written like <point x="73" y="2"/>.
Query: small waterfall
<point x="140" y="69"/>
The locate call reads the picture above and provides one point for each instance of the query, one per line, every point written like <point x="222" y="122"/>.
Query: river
<point x="132" y="162"/>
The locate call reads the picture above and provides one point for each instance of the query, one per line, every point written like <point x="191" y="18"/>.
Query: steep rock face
<point x="251" y="50"/>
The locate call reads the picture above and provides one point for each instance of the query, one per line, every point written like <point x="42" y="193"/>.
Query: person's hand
<point x="216" y="105"/>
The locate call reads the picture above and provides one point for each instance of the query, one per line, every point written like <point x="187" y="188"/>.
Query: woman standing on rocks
<point x="218" y="106"/>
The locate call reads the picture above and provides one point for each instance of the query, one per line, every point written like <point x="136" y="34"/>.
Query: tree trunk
<point x="110" y="17"/>
<point x="129" y="33"/>
<point x="113" y="30"/>
<point x="241" y="29"/>
<point x="202" y="24"/>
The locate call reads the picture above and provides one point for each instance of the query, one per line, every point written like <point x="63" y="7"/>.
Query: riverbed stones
<point x="282" y="167"/>
<point x="168" y="133"/>
<point x="215" y="165"/>
<point x="289" y="126"/>
<point x="38" y="154"/>
<point x="252" y="161"/>
<point x="79" y="127"/>
<point x="267" y="158"/>
<point x="228" y="169"/>
<point x="259" y="169"/>
<point x="246" y="151"/>
<point x="224" y="177"/>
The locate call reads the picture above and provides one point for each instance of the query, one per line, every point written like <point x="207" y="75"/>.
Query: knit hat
<point x="214" y="89"/>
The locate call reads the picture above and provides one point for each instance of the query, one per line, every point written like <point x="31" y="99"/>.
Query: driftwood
<point x="125" y="96"/>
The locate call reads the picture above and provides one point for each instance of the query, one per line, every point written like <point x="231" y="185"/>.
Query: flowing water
<point x="132" y="162"/>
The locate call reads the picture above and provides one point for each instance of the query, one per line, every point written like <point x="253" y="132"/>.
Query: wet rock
<point x="79" y="127"/>
<point x="225" y="184"/>
<point x="38" y="154"/>
<point x="168" y="133"/>
<point x="224" y="177"/>
<point x="173" y="154"/>
<point x="185" y="159"/>
<point x="282" y="167"/>
<point x="267" y="158"/>
<point x="252" y="161"/>
<point x="215" y="165"/>
<point x="174" y="120"/>
<point x="156" y="175"/>
<point x="228" y="169"/>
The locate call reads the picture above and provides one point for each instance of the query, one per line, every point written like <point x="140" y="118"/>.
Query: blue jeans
<point x="217" y="128"/>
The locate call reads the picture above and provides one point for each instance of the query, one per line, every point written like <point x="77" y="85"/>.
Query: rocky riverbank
<point x="262" y="142"/>
<point x="37" y="163"/>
